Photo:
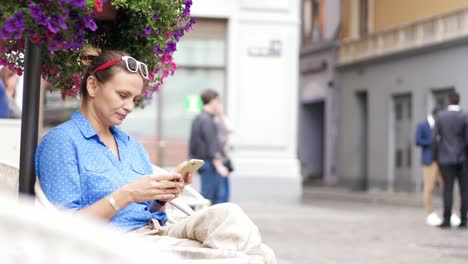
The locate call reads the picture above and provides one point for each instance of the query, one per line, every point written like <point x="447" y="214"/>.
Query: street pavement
<point x="356" y="228"/>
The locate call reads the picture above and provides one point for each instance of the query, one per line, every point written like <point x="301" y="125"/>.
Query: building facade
<point x="247" y="51"/>
<point x="397" y="61"/>
<point x="318" y="96"/>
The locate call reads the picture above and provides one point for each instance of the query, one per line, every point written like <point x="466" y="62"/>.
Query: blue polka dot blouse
<point x="76" y="170"/>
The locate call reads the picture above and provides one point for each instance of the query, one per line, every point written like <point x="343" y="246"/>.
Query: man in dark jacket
<point x="449" y="140"/>
<point x="204" y="145"/>
<point x="431" y="173"/>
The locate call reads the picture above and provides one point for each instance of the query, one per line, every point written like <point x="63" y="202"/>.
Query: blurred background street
<point x="345" y="227"/>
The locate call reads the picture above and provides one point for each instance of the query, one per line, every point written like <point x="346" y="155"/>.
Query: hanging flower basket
<point x="147" y="29"/>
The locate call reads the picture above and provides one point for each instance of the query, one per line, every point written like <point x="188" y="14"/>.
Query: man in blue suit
<point x="431" y="173"/>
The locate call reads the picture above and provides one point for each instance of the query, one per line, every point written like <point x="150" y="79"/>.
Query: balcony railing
<point x="429" y="31"/>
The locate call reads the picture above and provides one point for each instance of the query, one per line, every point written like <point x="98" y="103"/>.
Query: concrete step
<point x="322" y="194"/>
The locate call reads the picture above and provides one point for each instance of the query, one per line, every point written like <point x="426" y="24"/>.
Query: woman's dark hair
<point x="208" y="95"/>
<point x="91" y="58"/>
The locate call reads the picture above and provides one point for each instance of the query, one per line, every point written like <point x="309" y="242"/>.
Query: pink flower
<point x="98" y="5"/>
<point x="53" y="70"/>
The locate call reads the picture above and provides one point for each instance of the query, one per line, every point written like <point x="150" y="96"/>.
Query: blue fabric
<point x="424" y="140"/>
<point x="4" y="112"/>
<point x="76" y="170"/>
<point x="213" y="184"/>
<point x="227" y="193"/>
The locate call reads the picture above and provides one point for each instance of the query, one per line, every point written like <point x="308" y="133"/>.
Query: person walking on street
<point x="431" y="173"/>
<point x="225" y="128"/>
<point x="4" y="112"/>
<point x="10" y="80"/>
<point x="204" y="144"/>
<point x="449" y="141"/>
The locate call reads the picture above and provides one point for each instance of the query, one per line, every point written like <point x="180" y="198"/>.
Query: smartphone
<point x="190" y="166"/>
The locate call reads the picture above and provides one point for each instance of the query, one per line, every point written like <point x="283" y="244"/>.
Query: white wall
<point x="261" y="91"/>
<point x="10" y="140"/>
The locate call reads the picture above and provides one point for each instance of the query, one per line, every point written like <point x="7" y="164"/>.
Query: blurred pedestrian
<point x="449" y="141"/>
<point x="431" y="173"/>
<point x="10" y="80"/>
<point x="204" y="144"/>
<point x="225" y="128"/>
<point x="4" y="113"/>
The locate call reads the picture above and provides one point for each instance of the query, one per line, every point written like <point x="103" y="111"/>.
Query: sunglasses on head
<point x="132" y="65"/>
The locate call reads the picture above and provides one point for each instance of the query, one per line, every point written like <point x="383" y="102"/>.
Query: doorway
<point x="402" y="140"/>
<point x="361" y="180"/>
<point x="312" y="141"/>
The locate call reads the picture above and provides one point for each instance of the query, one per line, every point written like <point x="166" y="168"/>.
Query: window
<point x="164" y="125"/>
<point x="314" y="20"/>
<point x="440" y="97"/>
<point x="57" y="110"/>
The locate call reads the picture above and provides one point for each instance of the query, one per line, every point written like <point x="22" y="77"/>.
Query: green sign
<point x="193" y="104"/>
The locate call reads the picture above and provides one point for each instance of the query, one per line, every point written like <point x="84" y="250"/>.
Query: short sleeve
<point x="57" y="170"/>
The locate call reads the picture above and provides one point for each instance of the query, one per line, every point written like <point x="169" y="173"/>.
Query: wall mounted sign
<point x="273" y="50"/>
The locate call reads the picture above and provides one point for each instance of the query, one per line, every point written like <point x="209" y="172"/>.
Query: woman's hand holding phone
<point x="163" y="186"/>
<point x="187" y="168"/>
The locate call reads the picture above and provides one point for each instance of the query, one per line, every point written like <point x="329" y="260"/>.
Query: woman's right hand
<point x="162" y="186"/>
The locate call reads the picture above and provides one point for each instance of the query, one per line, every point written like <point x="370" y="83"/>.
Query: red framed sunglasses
<point x="132" y="65"/>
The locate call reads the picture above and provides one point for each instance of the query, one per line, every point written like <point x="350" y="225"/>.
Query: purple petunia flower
<point x="18" y="35"/>
<point x="35" y="10"/>
<point x="52" y="45"/>
<point x="171" y="47"/>
<point x="58" y="21"/>
<point x="72" y="14"/>
<point x="78" y="42"/>
<point x="77" y="3"/>
<point x="178" y="34"/>
<point x="189" y="25"/>
<point x="42" y="20"/>
<point x="156" y="16"/>
<point x="59" y="38"/>
<point x="15" y="22"/>
<point x="4" y="34"/>
<point x="186" y="11"/>
<point x="146" y="31"/>
<point x="53" y="25"/>
<point x="89" y="23"/>
<point x="157" y="50"/>
<point x="68" y="45"/>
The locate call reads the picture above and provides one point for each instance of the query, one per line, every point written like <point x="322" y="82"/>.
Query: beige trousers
<point x="430" y="174"/>
<point x="222" y="226"/>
